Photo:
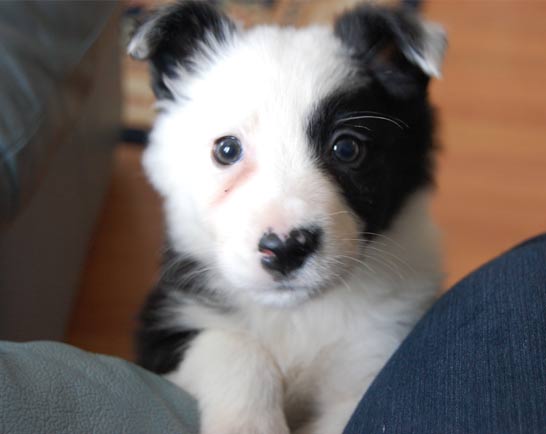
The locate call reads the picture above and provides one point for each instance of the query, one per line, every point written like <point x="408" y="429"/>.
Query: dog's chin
<point x="291" y="292"/>
<point x="284" y="296"/>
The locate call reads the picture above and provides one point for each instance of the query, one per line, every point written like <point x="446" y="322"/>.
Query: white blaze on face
<point x="262" y="90"/>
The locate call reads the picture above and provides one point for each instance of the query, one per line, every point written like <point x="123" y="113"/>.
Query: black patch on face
<point x="160" y="345"/>
<point x="395" y="136"/>
<point x="384" y="109"/>
<point x="177" y="34"/>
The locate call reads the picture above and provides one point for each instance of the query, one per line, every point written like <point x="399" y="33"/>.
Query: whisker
<point x="357" y="261"/>
<point x="389" y="265"/>
<point x="344" y="282"/>
<point x="337" y="213"/>
<point x="392" y="121"/>
<point x="361" y="126"/>
<point x="384" y="115"/>
<point x="396" y="243"/>
<point x="361" y="241"/>
<point x="372" y="246"/>
<point x="392" y="255"/>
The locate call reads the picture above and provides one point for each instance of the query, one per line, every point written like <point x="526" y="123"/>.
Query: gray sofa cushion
<point x="41" y="45"/>
<point x="48" y="387"/>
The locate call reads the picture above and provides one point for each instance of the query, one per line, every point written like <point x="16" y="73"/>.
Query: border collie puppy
<point x="295" y="167"/>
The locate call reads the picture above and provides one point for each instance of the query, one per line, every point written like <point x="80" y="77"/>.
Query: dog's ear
<point x="394" y="45"/>
<point x="173" y="38"/>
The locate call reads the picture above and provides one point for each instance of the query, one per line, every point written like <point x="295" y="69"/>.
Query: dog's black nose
<point x="285" y="256"/>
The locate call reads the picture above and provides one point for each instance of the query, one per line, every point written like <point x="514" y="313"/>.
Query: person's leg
<point x="476" y="363"/>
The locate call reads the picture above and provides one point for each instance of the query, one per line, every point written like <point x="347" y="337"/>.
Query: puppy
<point x="295" y="167"/>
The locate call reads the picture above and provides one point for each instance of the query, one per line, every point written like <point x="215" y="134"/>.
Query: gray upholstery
<point x="43" y="85"/>
<point x="60" y="116"/>
<point x="48" y="387"/>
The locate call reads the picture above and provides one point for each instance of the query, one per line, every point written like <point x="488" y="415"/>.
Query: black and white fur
<point x="266" y="352"/>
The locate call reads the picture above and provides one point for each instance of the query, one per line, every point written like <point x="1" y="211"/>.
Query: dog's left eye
<point x="227" y="150"/>
<point x="346" y="149"/>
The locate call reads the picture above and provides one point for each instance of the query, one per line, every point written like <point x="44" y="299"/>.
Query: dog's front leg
<point x="236" y="382"/>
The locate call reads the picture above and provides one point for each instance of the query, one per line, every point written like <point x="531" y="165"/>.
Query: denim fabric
<point x="476" y="363"/>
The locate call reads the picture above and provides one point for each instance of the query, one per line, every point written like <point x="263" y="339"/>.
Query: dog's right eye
<point x="227" y="150"/>
<point x="346" y="149"/>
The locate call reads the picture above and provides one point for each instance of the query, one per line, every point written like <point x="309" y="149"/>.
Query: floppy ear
<point x="394" y="45"/>
<point x="171" y="38"/>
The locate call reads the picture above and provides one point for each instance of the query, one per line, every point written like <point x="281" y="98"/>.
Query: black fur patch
<point x="160" y="348"/>
<point x="396" y="139"/>
<point x="160" y="344"/>
<point x="387" y="109"/>
<point x="176" y="35"/>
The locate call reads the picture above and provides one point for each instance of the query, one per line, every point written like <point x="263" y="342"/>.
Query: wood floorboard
<point x="491" y="189"/>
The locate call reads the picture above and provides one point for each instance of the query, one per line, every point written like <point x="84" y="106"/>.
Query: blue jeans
<point x="476" y="363"/>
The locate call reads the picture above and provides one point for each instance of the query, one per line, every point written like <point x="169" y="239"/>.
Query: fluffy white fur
<point x="255" y="369"/>
<point x="262" y="364"/>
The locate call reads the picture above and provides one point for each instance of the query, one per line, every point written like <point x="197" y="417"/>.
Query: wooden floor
<point x="491" y="179"/>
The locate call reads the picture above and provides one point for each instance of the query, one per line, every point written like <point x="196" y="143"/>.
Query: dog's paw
<point x="255" y="425"/>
